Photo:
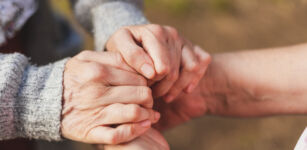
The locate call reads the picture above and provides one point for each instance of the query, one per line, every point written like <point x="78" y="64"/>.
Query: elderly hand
<point x="104" y="101"/>
<point x="151" y="140"/>
<point x="157" y="52"/>
<point x="182" y="109"/>
<point x="185" y="106"/>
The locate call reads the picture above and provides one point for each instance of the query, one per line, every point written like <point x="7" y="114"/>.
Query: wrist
<point x="224" y="92"/>
<point x="232" y="87"/>
<point x="214" y="87"/>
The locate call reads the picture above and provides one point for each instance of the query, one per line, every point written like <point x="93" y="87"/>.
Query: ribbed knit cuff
<point x="12" y="67"/>
<point x="37" y="111"/>
<point x="109" y="17"/>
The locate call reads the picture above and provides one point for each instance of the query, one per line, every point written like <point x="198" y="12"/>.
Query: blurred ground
<point x="230" y="25"/>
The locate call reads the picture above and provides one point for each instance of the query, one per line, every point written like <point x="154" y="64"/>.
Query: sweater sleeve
<point x="30" y="98"/>
<point x="104" y="17"/>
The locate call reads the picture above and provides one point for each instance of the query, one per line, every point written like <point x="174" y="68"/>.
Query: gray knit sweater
<point x="31" y="96"/>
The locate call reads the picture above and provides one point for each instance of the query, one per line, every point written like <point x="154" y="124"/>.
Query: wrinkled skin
<point x="98" y="106"/>
<point x="182" y="109"/>
<point x="159" y="53"/>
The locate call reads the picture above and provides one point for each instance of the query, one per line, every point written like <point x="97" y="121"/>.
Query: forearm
<point x="256" y="83"/>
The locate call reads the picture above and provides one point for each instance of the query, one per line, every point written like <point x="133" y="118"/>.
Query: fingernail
<point x="157" y="116"/>
<point x="147" y="70"/>
<point x="191" y="87"/>
<point x="168" y="98"/>
<point x="146" y="123"/>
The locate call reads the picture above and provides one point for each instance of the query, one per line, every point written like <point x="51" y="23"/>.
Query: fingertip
<point x="148" y="71"/>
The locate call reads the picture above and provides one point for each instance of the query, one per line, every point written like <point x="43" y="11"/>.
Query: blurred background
<point x="224" y="26"/>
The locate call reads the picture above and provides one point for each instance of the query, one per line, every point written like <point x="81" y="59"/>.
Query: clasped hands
<point x="108" y="97"/>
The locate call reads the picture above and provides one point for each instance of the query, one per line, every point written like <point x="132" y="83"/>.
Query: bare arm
<point x="257" y="83"/>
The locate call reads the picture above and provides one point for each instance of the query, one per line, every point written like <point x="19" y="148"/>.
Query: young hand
<point x="182" y="109"/>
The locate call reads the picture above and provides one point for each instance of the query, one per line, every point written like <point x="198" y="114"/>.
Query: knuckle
<point x="194" y="67"/>
<point x="145" y="95"/>
<point x="134" y="56"/>
<point x="96" y="91"/>
<point x="135" y="52"/>
<point x="206" y="60"/>
<point x="131" y="130"/>
<point x="119" y="59"/>
<point x="84" y="54"/>
<point x="142" y="80"/>
<point x="96" y="71"/>
<point x="173" y="31"/>
<point x="135" y="112"/>
<point x="119" y="33"/>
<point x="158" y="30"/>
<point x="122" y="30"/>
<point x="112" y="139"/>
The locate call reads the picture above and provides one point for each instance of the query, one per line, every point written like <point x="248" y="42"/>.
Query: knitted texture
<point x="104" y="17"/>
<point x="110" y="17"/>
<point x="30" y="98"/>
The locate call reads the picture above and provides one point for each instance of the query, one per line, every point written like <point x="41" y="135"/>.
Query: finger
<point x="162" y="87"/>
<point x="203" y="56"/>
<point x="195" y="80"/>
<point x="184" y="79"/>
<point x="97" y="72"/>
<point x="174" y="44"/>
<point x="132" y="53"/>
<point x="204" y="59"/>
<point x="127" y="113"/>
<point x="170" y="46"/>
<point x="190" y="68"/>
<point x="107" y="58"/>
<point x="189" y="64"/>
<point x="120" y="134"/>
<point x="154" y="42"/>
<point x="129" y="95"/>
<point x="117" y="77"/>
<point x="190" y="60"/>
